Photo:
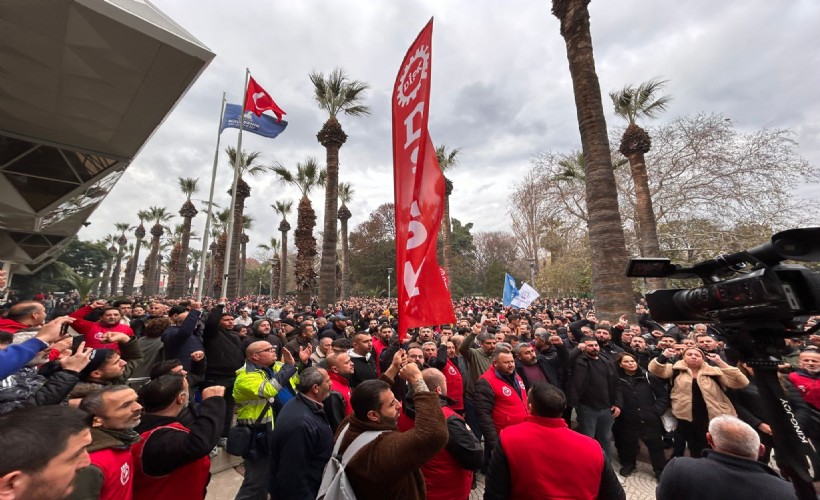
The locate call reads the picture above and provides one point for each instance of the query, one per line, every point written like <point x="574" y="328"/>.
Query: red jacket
<point x="509" y="408"/>
<point x="455" y="385"/>
<point x="808" y="386"/>
<point x="186" y="483"/>
<point x="92" y="331"/>
<point x="117" y="467"/>
<point x="444" y="478"/>
<point x="569" y="467"/>
<point x="342" y="386"/>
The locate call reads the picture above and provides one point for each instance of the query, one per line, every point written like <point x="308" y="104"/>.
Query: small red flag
<point x="258" y="100"/>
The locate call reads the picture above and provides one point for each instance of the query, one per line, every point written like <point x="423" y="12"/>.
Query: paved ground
<point x="227" y="477"/>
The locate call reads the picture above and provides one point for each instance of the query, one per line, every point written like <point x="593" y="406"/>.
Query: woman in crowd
<point x="645" y="400"/>
<point x="697" y="391"/>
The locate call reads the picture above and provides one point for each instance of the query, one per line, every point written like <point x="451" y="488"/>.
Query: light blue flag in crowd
<point x="510" y="290"/>
<point x="264" y="125"/>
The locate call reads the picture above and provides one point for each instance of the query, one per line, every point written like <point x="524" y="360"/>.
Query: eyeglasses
<point x="269" y="349"/>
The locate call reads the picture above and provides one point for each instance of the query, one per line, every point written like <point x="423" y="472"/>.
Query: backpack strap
<point x="360" y="442"/>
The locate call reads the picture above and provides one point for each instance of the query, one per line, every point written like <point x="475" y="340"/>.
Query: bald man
<point x="729" y="470"/>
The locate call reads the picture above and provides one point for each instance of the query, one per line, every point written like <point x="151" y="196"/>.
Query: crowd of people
<point x="131" y="398"/>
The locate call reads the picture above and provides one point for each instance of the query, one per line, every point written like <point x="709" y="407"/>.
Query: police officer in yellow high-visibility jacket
<point x="258" y="383"/>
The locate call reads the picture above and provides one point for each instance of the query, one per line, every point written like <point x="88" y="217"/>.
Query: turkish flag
<point x="423" y="296"/>
<point x="258" y="100"/>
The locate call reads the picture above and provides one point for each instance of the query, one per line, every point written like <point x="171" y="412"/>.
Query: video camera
<point x="766" y="290"/>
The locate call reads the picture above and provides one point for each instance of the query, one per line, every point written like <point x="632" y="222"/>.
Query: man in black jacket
<point x="364" y="361"/>
<point x="171" y="454"/>
<point x="302" y="440"/>
<point x="595" y="393"/>
<point x="532" y="367"/>
<point x="729" y="470"/>
<point x="224" y="355"/>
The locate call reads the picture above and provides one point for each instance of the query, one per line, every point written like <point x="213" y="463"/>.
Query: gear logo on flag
<point x="419" y="63"/>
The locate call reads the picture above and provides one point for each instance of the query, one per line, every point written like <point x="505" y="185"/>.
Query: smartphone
<point x="64" y="330"/>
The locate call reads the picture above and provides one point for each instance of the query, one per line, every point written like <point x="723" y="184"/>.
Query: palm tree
<point x="188" y="211"/>
<point x="131" y="274"/>
<point x="334" y="94"/>
<point x="631" y="103"/>
<point x="122" y="227"/>
<point x="307" y="176"/>
<point x="283" y="208"/>
<point x="150" y="271"/>
<point x="247" y="165"/>
<point x="272" y="248"/>
<point x="193" y="260"/>
<point x="109" y="240"/>
<point x="612" y="289"/>
<point x="219" y="234"/>
<point x="447" y="160"/>
<point x="345" y="195"/>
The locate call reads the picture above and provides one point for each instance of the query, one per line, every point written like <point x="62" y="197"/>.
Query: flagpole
<point x="237" y="162"/>
<point x="202" y="258"/>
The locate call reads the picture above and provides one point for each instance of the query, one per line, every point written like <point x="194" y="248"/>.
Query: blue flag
<point x="263" y="125"/>
<point x="510" y="290"/>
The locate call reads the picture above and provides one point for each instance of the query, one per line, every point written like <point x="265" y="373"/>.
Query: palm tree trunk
<point x="236" y="240"/>
<point x="283" y="267"/>
<point x="345" y="293"/>
<point x="192" y="277"/>
<point x="242" y="262"/>
<point x="150" y="274"/>
<point x="612" y="289"/>
<point x="106" y="277"/>
<point x="181" y="267"/>
<point x="128" y="286"/>
<point x="306" y="252"/>
<point x="115" y="273"/>
<point x="331" y="137"/>
<point x="645" y="215"/>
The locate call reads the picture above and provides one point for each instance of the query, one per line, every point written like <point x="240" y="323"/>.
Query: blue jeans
<point x="596" y="424"/>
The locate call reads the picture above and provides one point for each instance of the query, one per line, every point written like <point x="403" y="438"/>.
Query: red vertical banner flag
<point x="423" y="296"/>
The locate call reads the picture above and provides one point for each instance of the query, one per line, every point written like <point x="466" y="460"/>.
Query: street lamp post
<point x="260" y="286"/>
<point x="389" y="272"/>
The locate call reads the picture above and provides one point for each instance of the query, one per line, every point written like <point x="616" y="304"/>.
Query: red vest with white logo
<point x="569" y="467"/>
<point x="444" y="478"/>
<point x="117" y="468"/>
<point x="340" y="384"/>
<point x="509" y="408"/>
<point x="809" y="388"/>
<point x="455" y="385"/>
<point x="185" y="483"/>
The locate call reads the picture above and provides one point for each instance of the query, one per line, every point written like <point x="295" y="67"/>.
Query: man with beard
<point x="23" y="316"/>
<point x="115" y="413"/>
<point x="363" y="358"/>
<point x="108" y="366"/>
<point x="262" y="329"/>
<point x="93" y="331"/>
<point x="49" y="446"/>
<point x="337" y="404"/>
<point x="594" y="391"/>
<point x="389" y="466"/>
<point x="172" y="459"/>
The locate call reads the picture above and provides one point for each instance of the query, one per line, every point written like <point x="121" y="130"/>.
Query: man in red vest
<point x="171" y="460"/>
<point x="500" y="398"/>
<point x="116" y="413"/>
<point x="571" y="465"/>
<point x="449" y="474"/>
<point x="445" y="360"/>
<point x="337" y="404"/>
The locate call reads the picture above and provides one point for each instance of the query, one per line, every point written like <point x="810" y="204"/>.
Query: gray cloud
<point x="500" y="89"/>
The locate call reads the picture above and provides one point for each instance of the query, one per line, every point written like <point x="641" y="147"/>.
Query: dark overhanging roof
<point x="83" y="86"/>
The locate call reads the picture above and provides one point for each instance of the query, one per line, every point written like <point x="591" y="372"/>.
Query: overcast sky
<point x="501" y="89"/>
